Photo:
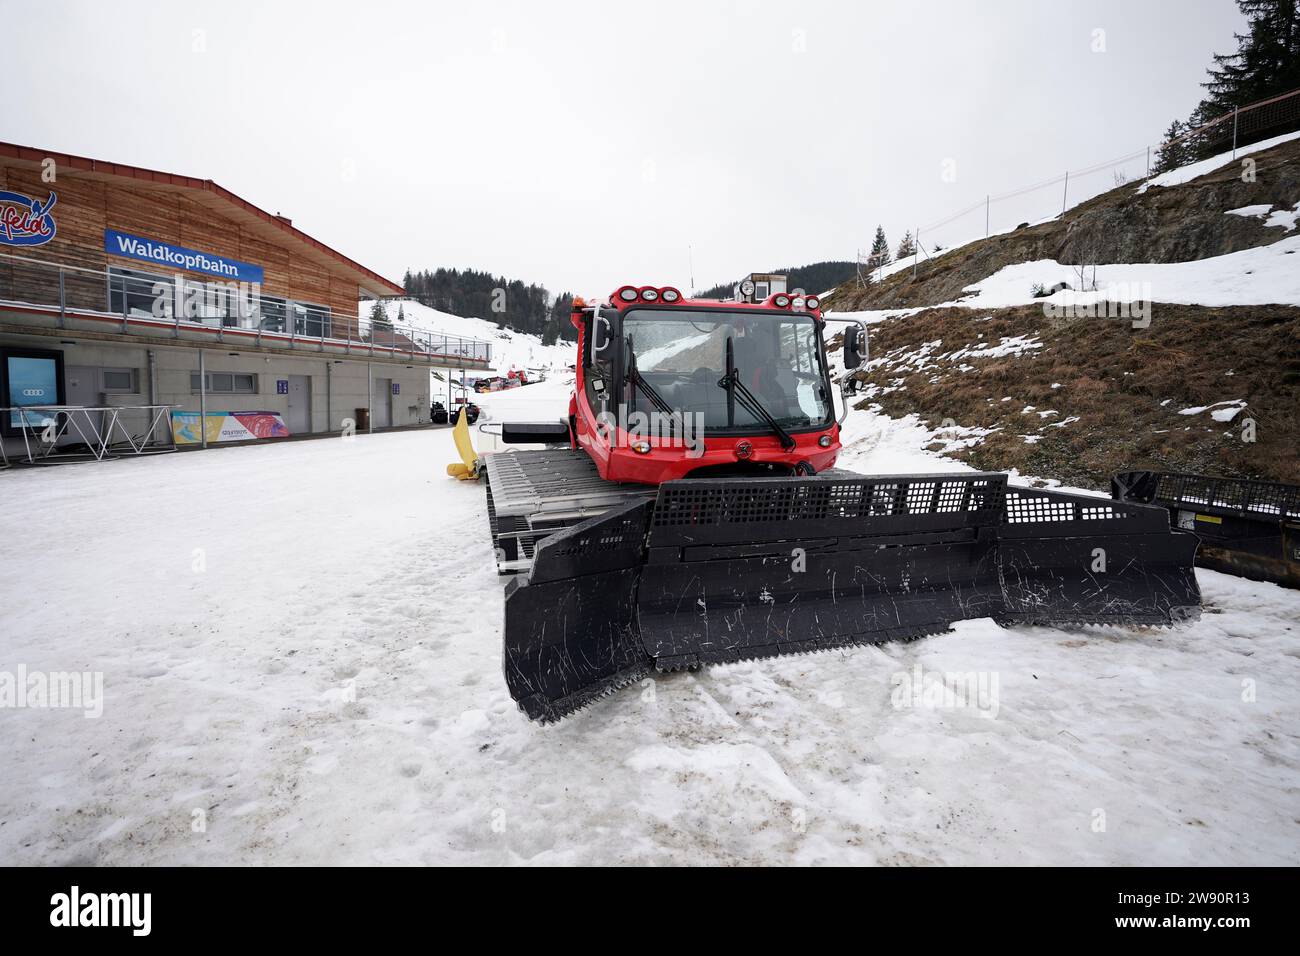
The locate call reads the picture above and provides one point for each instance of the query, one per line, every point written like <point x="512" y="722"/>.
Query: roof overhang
<point x="220" y="200"/>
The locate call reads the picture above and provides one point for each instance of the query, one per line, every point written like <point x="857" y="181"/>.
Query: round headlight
<point x="824" y="441"/>
<point x="812" y="302"/>
<point x="641" y="447"/>
<point x="781" y="301"/>
<point x="747" y="287"/>
<point x="670" y="295"/>
<point x="627" y="294"/>
<point x="649" y="295"/>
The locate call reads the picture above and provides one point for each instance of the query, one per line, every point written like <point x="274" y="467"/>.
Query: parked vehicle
<point x="471" y="412"/>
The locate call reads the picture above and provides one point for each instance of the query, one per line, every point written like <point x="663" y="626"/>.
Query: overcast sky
<point x="586" y="145"/>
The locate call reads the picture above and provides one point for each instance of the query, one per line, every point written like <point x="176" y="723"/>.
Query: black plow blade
<point x="1245" y="527"/>
<point x="719" y="570"/>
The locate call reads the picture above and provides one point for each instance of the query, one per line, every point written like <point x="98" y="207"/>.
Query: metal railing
<point x="101" y="430"/>
<point x="137" y="302"/>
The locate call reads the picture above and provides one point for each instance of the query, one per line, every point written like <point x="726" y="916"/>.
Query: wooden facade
<point x="195" y="214"/>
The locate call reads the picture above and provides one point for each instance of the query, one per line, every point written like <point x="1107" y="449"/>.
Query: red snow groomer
<point x="688" y="512"/>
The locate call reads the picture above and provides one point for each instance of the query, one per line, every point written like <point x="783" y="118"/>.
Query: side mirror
<point x="854" y="347"/>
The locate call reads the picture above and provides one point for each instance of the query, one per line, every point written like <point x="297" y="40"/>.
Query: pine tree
<point x="401" y="314"/>
<point x="1266" y="63"/>
<point x="1172" y="154"/>
<point x="379" y="316"/>
<point x="880" y="249"/>
<point x="906" y="248"/>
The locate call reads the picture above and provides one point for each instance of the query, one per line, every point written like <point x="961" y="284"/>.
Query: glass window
<point x="310" y="320"/>
<point x="227" y="383"/>
<point x="683" y="356"/>
<point x="118" y="380"/>
<point x="134" y="292"/>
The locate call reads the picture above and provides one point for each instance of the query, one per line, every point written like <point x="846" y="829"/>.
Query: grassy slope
<point x="1125" y="386"/>
<point x="1112" y="377"/>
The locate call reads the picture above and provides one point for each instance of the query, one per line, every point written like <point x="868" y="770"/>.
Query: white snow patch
<point x="1185" y="174"/>
<point x="1264" y="275"/>
<point x="1250" y="212"/>
<point x="1223" y="411"/>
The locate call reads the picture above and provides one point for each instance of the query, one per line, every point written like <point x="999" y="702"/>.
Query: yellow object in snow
<point x="467" y="469"/>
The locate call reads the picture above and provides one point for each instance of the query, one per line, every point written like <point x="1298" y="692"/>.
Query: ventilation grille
<point x="753" y="501"/>
<point x="1234" y="494"/>
<point x="1028" y="507"/>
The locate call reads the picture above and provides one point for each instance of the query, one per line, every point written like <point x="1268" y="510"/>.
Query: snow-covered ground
<point x="305" y="668"/>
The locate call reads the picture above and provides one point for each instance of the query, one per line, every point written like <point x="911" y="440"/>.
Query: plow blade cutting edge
<point x="719" y="570"/>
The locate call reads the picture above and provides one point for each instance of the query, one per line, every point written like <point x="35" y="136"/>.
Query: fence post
<point x="1148" y="161"/>
<point x="986" y="216"/>
<point x="916" y="251"/>
<point x="203" y="399"/>
<point x="1065" y="192"/>
<point x="1235" y="113"/>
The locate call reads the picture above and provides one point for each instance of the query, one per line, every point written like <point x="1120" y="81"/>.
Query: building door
<point x="383" y="403"/>
<point x="83" y="389"/>
<point x="299" y="417"/>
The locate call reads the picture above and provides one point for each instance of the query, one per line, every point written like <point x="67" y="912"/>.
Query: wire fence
<point x="1049" y="198"/>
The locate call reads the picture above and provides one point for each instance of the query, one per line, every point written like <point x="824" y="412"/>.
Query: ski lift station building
<point x="135" y="304"/>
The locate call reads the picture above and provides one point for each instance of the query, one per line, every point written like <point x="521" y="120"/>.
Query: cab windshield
<point x="683" y="357"/>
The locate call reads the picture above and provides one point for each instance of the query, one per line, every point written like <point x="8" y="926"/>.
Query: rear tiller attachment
<point x="718" y="570"/>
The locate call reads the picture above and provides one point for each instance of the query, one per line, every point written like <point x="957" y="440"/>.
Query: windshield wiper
<point x="634" y="376"/>
<point x="737" y="392"/>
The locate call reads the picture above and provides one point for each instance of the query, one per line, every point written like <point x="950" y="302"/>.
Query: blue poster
<point x="178" y="257"/>
<point x="32" y="381"/>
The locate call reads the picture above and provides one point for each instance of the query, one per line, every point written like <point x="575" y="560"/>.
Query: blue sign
<point x="25" y="221"/>
<point x="178" y="257"/>
<point x="397" y="388"/>
<point x="282" y="386"/>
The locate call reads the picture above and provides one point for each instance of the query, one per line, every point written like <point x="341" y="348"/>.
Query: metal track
<point x="533" y="494"/>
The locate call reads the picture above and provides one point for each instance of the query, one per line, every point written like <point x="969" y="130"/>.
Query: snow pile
<point x="510" y="350"/>
<point x="1264" y="275"/>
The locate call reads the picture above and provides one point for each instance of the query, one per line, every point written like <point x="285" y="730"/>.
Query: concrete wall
<point x="335" y="395"/>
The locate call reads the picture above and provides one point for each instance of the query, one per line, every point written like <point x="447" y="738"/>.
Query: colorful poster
<point x="227" y="426"/>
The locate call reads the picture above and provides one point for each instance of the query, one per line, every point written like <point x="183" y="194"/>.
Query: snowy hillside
<point x="1182" y="296"/>
<point x="510" y="350"/>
